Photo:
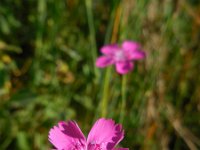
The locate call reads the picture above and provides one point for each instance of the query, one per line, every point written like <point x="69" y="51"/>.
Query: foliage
<point x="47" y="55"/>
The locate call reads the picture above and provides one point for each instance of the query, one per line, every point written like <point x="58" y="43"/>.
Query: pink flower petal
<point x="104" y="61"/>
<point x="124" y="67"/>
<point x="121" y="149"/>
<point x="136" y="55"/>
<point x="105" y="134"/>
<point x="132" y="50"/>
<point x="130" y="45"/>
<point x="109" y="49"/>
<point x="67" y="136"/>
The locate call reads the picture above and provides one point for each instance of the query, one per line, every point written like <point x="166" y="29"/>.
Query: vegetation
<point x="47" y="70"/>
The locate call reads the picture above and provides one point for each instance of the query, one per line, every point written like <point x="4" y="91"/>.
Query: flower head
<point x="122" y="56"/>
<point x="104" y="135"/>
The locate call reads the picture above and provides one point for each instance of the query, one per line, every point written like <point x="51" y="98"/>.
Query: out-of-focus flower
<point x="122" y="56"/>
<point x="104" y="135"/>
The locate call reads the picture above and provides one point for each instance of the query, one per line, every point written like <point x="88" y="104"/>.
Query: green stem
<point x="109" y="36"/>
<point x="105" y="92"/>
<point x="123" y="103"/>
<point x="90" y="19"/>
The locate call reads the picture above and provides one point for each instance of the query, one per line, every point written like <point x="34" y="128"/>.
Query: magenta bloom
<point x="104" y="135"/>
<point x="122" y="57"/>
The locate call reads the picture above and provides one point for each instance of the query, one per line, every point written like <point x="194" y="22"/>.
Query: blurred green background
<point x="47" y="55"/>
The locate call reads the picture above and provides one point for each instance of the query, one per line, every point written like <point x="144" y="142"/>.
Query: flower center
<point x="96" y="146"/>
<point x="119" y="55"/>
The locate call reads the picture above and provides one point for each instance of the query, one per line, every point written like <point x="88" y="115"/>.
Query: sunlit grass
<point x="47" y="71"/>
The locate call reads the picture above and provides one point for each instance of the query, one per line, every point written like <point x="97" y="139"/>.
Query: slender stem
<point x="116" y="23"/>
<point x="90" y="19"/>
<point x="123" y="94"/>
<point x="105" y="92"/>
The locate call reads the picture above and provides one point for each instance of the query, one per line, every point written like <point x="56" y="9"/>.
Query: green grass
<point x="47" y="72"/>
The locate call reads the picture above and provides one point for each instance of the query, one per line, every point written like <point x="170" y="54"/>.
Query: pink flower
<point x="104" y="135"/>
<point x="122" y="56"/>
